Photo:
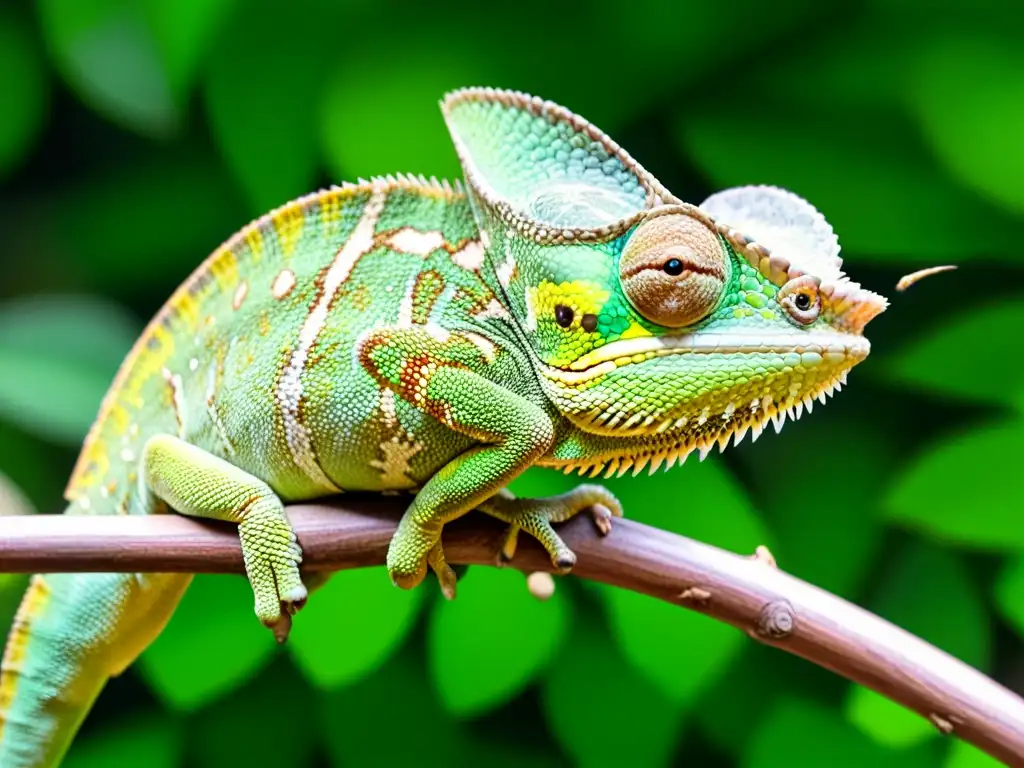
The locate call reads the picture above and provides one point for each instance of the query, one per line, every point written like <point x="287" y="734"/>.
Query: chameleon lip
<point x="598" y="361"/>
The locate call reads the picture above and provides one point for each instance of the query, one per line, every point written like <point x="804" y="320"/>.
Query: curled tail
<point x="70" y="635"/>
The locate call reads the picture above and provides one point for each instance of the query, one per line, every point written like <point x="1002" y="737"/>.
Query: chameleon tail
<point x="71" y="634"/>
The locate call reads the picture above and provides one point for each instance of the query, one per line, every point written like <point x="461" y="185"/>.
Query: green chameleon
<point x="565" y="310"/>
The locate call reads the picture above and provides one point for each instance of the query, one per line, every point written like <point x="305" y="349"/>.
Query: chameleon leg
<point x="515" y="432"/>
<point x="535" y="516"/>
<point x="196" y="483"/>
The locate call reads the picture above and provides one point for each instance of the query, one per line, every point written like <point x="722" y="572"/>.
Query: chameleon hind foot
<point x="408" y="569"/>
<point x="196" y="483"/>
<point x="535" y="516"/>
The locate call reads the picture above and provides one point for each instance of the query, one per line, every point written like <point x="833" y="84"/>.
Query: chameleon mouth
<point x="809" y="349"/>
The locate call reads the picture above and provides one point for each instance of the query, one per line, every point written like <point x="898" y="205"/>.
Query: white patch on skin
<point x="128" y="455"/>
<point x="437" y="331"/>
<point x="506" y="268"/>
<point x="84" y="502"/>
<point x="289" y="391"/>
<point x="414" y="242"/>
<point x="531" y="313"/>
<point x="387" y="407"/>
<point x="394" y="462"/>
<point x="470" y="256"/>
<point x="485" y="345"/>
<point x="177" y="399"/>
<point x="485" y="239"/>
<point x="406" y="305"/>
<point x="493" y="310"/>
<point x="240" y="294"/>
<point x="193" y="364"/>
<point x="211" y="409"/>
<point x="283" y="284"/>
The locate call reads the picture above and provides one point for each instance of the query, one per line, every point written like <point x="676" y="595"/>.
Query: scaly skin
<point x="401" y="335"/>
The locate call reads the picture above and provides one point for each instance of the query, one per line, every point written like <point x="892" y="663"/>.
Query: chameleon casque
<point x="563" y="309"/>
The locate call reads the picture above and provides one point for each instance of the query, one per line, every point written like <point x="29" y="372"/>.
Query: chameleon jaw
<point x="668" y="447"/>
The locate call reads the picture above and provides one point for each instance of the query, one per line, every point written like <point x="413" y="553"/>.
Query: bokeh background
<point x="136" y="135"/>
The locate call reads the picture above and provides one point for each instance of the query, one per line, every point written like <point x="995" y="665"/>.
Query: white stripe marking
<point x="289" y="391"/>
<point x="414" y="242"/>
<point x="470" y="256"/>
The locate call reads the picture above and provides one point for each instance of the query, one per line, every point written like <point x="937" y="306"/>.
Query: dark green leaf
<point x="803" y="734"/>
<point x="399" y="692"/>
<point x="263" y="91"/>
<point x="58" y="356"/>
<point x="590" y="669"/>
<point x="352" y="625"/>
<point x="830" y="542"/>
<point x="24" y="88"/>
<point x="487" y="644"/>
<point x="151" y="740"/>
<point x="271" y="721"/>
<point x="949" y="614"/>
<point x="680" y="651"/>
<point x="957" y="491"/>
<point x="838" y="160"/>
<point x="106" y="50"/>
<point x="979" y="140"/>
<point x="212" y="644"/>
<point x="949" y="358"/>
<point x="1009" y="593"/>
<point x="184" y="33"/>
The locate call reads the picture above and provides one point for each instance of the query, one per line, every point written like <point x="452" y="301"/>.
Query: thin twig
<point x="746" y="592"/>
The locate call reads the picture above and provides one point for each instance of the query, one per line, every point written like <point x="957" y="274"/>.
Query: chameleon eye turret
<point x="673" y="270"/>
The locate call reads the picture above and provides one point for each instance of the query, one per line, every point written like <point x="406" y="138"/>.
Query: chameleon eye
<point x="799" y="297"/>
<point x="673" y="270"/>
<point x="563" y="315"/>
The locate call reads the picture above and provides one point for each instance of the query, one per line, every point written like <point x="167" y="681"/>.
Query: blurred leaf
<point x="24" y="88"/>
<point x="212" y="644"/>
<point x="184" y="33"/>
<point x="957" y="491"/>
<point x="1009" y="593"/>
<point x="680" y="651"/>
<point x="385" y="118"/>
<point x="964" y="755"/>
<point x="886" y="721"/>
<point x="979" y="140"/>
<point x="262" y="93"/>
<point x="367" y="610"/>
<point x="146" y="224"/>
<point x="271" y="720"/>
<point x="151" y="740"/>
<point x="980" y="369"/>
<point x="58" y="356"/>
<point x="107" y="53"/>
<point x="840" y="159"/>
<point x="590" y="670"/>
<point x="423" y="734"/>
<point x="803" y="734"/>
<point x="833" y="544"/>
<point x="487" y="644"/>
<point x="949" y="614"/>
<point x="730" y="712"/>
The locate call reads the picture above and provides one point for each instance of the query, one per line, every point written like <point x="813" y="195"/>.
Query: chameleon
<point x="556" y="307"/>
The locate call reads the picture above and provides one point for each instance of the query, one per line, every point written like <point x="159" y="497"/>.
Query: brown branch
<point x="747" y="592"/>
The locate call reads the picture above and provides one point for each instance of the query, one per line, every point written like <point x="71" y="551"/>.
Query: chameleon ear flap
<point x="533" y="162"/>
<point x="782" y="222"/>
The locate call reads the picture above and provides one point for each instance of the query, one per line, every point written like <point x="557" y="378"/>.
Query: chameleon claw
<point x="602" y="517"/>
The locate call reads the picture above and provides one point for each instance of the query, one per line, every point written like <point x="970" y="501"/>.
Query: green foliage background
<point x="136" y="135"/>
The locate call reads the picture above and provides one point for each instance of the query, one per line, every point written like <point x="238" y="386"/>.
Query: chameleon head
<point x="649" y="316"/>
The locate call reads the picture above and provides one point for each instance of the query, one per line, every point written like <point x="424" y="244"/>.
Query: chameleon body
<point x="563" y="310"/>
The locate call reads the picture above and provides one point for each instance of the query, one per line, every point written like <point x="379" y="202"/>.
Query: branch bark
<point x="746" y="592"/>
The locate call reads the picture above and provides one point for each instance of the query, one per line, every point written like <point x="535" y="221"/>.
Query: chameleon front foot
<point x="536" y="516"/>
<point x="272" y="556"/>
<point x="411" y="551"/>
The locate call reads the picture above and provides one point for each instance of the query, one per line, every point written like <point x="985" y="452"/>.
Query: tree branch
<point x="746" y="592"/>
